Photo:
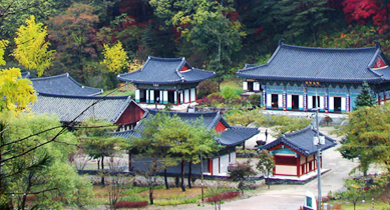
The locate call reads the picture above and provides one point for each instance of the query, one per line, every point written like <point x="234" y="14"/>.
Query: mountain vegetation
<point x="218" y="35"/>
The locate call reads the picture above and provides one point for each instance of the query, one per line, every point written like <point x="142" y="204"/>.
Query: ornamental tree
<point x="115" y="58"/>
<point x="31" y="46"/>
<point x="266" y="163"/>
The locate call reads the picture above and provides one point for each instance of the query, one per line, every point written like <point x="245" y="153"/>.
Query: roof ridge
<point x="166" y="59"/>
<point x="85" y="97"/>
<point x="50" y="77"/>
<point x="328" y="49"/>
<point x="299" y="132"/>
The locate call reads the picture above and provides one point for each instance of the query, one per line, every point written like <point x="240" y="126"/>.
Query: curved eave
<point x="287" y="78"/>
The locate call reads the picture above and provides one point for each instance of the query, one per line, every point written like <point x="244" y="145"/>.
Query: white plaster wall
<point x="286" y="170"/>
<point x="245" y="86"/>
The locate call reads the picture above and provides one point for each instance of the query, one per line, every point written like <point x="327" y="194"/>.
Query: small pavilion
<point x="295" y="154"/>
<point x="166" y="80"/>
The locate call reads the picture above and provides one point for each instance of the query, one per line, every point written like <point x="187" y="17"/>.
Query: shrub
<point x="206" y="88"/>
<point x="223" y="196"/>
<point x="254" y="99"/>
<point x="130" y="204"/>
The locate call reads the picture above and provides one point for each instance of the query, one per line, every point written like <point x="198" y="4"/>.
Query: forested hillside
<point x="218" y="35"/>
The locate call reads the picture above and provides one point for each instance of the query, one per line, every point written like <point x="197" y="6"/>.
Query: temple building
<point x="62" y="84"/>
<point x="295" y="154"/>
<point x="119" y="110"/>
<point x="166" y="80"/>
<point x="300" y="78"/>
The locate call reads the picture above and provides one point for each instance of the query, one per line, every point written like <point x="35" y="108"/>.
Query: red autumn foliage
<point x="360" y="10"/>
<point x="130" y="204"/>
<point x="223" y="196"/>
<point x="365" y="10"/>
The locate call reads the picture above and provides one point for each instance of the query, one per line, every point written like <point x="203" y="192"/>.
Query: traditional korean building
<point x="229" y="137"/>
<point x="63" y="84"/>
<point x="295" y="153"/>
<point x="120" y="110"/>
<point x="297" y="78"/>
<point x="166" y="80"/>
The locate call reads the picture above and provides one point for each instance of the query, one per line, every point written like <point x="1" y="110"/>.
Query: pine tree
<point x="365" y="97"/>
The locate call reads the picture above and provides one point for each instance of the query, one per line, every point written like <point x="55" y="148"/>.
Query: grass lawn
<point x="162" y="197"/>
<point x="342" y="204"/>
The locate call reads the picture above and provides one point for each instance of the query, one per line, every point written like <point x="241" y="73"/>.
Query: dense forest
<point x="218" y="35"/>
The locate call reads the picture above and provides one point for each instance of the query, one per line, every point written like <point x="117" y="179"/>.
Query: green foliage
<point x="266" y="163"/>
<point x="204" y="27"/>
<point x="300" y="18"/>
<point x="355" y="190"/>
<point x="365" y="97"/>
<point x="229" y="94"/>
<point x="44" y="173"/>
<point x="366" y="136"/>
<point x="31" y="46"/>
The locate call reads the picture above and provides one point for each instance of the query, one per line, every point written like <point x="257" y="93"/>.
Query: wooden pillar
<point x="219" y="164"/>
<point x="379" y="99"/>
<point x="298" y="166"/>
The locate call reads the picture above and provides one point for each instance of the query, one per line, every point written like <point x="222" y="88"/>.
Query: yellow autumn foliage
<point x="3" y="45"/>
<point x="31" y="47"/>
<point x="115" y="58"/>
<point x="135" y="65"/>
<point x="16" y="93"/>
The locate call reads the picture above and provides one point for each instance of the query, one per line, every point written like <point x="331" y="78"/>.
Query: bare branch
<point x="13" y="193"/>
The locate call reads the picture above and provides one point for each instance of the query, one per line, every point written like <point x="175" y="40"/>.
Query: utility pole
<point x="318" y="156"/>
<point x="201" y="175"/>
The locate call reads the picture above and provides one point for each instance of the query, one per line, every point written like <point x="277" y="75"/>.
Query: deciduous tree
<point x="367" y="137"/>
<point x="266" y="163"/>
<point x="31" y="46"/>
<point x="115" y="58"/>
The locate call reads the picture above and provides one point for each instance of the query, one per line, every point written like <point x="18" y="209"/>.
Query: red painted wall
<point x="133" y="113"/>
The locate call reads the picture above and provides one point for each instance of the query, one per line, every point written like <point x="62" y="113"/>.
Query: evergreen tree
<point x="300" y="18"/>
<point x="365" y="97"/>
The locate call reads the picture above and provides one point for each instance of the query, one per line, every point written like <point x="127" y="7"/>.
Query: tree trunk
<point x="182" y="176"/>
<point x="102" y="181"/>
<point x="151" y="194"/>
<point x="98" y="164"/>
<point x="166" y="179"/>
<point x="189" y="174"/>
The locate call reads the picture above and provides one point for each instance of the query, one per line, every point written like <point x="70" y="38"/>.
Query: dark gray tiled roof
<point x="320" y="64"/>
<point x="231" y="136"/>
<point x="301" y="141"/>
<point x="63" y="85"/>
<point x="69" y="107"/>
<point x="165" y="71"/>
